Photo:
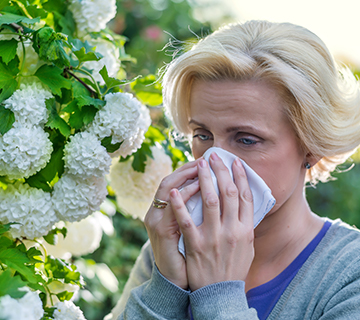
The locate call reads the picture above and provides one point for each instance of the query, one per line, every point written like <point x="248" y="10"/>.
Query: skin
<point x="247" y="119"/>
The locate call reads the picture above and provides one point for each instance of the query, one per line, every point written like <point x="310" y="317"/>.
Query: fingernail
<point x="214" y="156"/>
<point x="238" y="162"/>
<point x="173" y="193"/>
<point x="203" y="163"/>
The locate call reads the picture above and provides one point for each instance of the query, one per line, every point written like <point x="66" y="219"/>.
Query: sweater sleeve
<point x="157" y="298"/>
<point x="222" y="300"/>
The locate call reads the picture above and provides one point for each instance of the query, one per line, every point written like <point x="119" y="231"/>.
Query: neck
<point x="280" y="238"/>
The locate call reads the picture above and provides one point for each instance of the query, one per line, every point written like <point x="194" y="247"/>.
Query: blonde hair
<point x="323" y="100"/>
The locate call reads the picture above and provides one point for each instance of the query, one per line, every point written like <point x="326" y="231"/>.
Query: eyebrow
<point x="249" y="128"/>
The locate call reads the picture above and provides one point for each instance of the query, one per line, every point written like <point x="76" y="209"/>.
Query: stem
<point x="83" y="83"/>
<point x="97" y="87"/>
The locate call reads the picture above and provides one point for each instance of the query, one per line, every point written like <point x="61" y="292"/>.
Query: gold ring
<point x="160" y="204"/>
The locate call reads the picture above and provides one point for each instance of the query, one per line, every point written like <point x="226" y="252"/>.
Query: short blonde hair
<point x="323" y="100"/>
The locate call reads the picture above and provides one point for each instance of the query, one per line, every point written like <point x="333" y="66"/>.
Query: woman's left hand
<point x="222" y="247"/>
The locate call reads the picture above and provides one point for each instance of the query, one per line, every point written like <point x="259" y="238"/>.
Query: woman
<point x="270" y="94"/>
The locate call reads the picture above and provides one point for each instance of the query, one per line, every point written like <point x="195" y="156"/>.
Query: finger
<point x="229" y="193"/>
<point x="188" y="191"/>
<point x="210" y="199"/>
<point x="183" y="218"/>
<point x="246" y="207"/>
<point x="176" y="179"/>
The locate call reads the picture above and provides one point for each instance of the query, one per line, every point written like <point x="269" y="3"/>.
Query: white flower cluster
<point x="75" y="198"/>
<point x="67" y="310"/>
<point x="110" y="59"/>
<point x="123" y="118"/>
<point x="82" y="237"/>
<point x="132" y="143"/>
<point x="28" y="104"/>
<point x="25" y="149"/>
<point x="85" y="157"/>
<point x="92" y="15"/>
<point x="135" y="190"/>
<point x="30" y="207"/>
<point x="29" y="307"/>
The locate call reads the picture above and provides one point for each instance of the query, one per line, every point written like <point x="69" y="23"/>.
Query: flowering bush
<point x="65" y="110"/>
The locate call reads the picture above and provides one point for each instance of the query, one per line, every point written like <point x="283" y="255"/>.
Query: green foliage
<point x="7" y="119"/>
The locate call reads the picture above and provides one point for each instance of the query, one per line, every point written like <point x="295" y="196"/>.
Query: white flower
<point x="74" y="198"/>
<point x="86" y="157"/>
<point x="135" y="190"/>
<point x="28" y="104"/>
<point x="110" y="59"/>
<point x="24" y="151"/>
<point x="92" y="15"/>
<point x="67" y="310"/>
<point x="29" y="307"/>
<point x="118" y="118"/>
<point x="131" y="144"/>
<point x="31" y="207"/>
<point x="82" y="237"/>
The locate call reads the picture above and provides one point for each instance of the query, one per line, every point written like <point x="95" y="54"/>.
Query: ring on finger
<point x="160" y="204"/>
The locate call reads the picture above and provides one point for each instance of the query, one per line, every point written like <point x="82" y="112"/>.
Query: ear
<point x="311" y="159"/>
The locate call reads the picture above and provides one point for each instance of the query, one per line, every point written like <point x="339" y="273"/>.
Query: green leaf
<point x="5" y="227"/>
<point x="34" y="11"/>
<point x="65" y="295"/>
<point x="49" y="45"/>
<point x="8" y="72"/>
<point x="8" y="50"/>
<point x="79" y="90"/>
<point x="43" y="178"/>
<point x="52" y="236"/>
<point x="3" y="4"/>
<point x="17" y="260"/>
<point x="52" y="77"/>
<point x="110" y="82"/>
<point x="106" y="142"/>
<point x="33" y="255"/>
<point x="7" y="119"/>
<point x="8" y="18"/>
<point x="4" y="241"/>
<point x="62" y="270"/>
<point x="140" y="157"/>
<point x="10" y="285"/>
<point x="67" y="22"/>
<point x="84" y="52"/>
<point x="88" y="101"/>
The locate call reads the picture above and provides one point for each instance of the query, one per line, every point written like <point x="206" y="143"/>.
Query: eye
<point x="202" y="137"/>
<point x="247" y="141"/>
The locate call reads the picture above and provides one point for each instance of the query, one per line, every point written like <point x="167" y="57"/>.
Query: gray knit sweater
<point x="326" y="287"/>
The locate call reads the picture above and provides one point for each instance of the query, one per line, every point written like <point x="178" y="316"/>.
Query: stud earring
<point x="307" y="165"/>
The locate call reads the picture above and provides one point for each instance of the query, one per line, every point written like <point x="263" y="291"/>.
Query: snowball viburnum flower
<point x="135" y="190"/>
<point x="110" y="59"/>
<point x="85" y="157"/>
<point x="82" y="237"/>
<point x="28" y="104"/>
<point x="29" y="307"/>
<point x="24" y="151"/>
<point x="92" y="15"/>
<point x="67" y="310"/>
<point x="118" y="118"/>
<point x="131" y="144"/>
<point x="75" y="198"/>
<point x="30" y="207"/>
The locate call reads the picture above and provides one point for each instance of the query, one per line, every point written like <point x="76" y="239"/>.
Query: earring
<point x="307" y="165"/>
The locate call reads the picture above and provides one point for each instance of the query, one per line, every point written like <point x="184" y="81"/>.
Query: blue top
<point x="264" y="297"/>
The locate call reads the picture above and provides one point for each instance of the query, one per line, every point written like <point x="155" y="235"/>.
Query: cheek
<point x="198" y="149"/>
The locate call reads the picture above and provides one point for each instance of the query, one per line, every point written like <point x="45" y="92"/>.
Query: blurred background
<point x="156" y="30"/>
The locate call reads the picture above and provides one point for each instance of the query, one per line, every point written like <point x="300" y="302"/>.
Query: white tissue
<point x="262" y="197"/>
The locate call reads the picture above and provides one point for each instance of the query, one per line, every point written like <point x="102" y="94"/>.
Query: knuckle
<point x="211" y="201"/>
<point x="186" y="224"/>
<point x="247" y="195"/>
<point x="231" y="191"/>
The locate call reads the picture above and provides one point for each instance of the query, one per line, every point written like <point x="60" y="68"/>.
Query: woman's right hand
<point x="162" y="227"/>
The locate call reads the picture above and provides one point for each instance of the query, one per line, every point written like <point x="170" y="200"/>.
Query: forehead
<point x="238" y="102"/>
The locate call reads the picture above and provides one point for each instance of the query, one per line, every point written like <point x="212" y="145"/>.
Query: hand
<point x="163" y="229"/>
<point x="221" y="248"/>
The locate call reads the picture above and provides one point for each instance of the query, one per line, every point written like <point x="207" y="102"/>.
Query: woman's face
<point x="248" y="119"/>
